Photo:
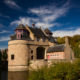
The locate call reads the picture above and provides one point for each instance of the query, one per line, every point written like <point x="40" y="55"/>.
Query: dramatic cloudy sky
<point x="62" y="17"/>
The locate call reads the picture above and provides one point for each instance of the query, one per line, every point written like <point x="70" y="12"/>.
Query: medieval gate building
<point x="31" y="44"/>
<point x="28" y="43"/>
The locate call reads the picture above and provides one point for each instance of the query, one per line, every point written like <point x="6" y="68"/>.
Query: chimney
<point x="27" y="25"/>
<point x="66" y="41"/>
<point x="33" y="25"/>
<point x="69" y="54"/>
<point x="40" y="27"/>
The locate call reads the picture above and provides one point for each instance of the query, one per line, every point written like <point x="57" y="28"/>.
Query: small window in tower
<point x="12" y="57"/>
<point x="31" y="57"/>
<point x="21" y="35"/>
<point x="31" y="51"/>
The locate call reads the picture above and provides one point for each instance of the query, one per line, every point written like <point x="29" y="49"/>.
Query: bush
<point x="60" y="71"/>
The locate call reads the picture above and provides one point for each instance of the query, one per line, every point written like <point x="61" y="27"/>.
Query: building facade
<point x="28" y="43"/>
<point x="31" y="44"/>
<point x="60" y="52"/>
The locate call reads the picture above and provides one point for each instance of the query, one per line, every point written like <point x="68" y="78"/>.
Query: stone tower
<point x="17" y="50"/>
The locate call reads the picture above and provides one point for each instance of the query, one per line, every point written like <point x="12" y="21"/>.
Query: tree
<point x="4" y="55"/>
<point x="60" y="40"/>
<point x="0" y="56"/>
<point x="74" y="44"/>
<point x="0" y="60"/>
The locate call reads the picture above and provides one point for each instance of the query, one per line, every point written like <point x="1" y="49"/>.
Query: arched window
<point x="40" y="52"/>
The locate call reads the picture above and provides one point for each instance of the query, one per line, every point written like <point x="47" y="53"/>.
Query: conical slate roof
<point x="21" y="26"/>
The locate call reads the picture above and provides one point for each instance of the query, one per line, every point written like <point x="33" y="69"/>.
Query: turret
<point x="21" y="32"/>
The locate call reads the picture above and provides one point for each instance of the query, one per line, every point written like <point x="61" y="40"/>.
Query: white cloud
<point x="12" y="4"/>
<point x="51" y="12"/>
<point x="63" y="33"/>
<point x="4" y="38"/>
<point x="43" y="25"/>
<point x="4" y="31"/>
<point x="3" y="47"/>
<point x="46" y="15"/>
<point x="40" y="11"/>
<point x="55" y="15"/>
<point x="4" y="16"/>
<point x="22" y="20"/>
<point x="1" y="25"/>
<point x="29" y="21"/>
<point x="47" y="25"/>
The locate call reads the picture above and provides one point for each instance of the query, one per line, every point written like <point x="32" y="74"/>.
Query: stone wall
<point x="19" y="49"/>
<point x="37" y="64"/>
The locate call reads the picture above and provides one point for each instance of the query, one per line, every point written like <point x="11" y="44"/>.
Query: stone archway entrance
<point x="40" y="52"/>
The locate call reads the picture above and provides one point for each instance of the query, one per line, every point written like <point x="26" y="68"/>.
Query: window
<point x="31" y="51"/>
<point x="21" y="36"/>
<point x="17" y="36"/>
<point x="12" y="57"/>
<point x="31" y="57"/>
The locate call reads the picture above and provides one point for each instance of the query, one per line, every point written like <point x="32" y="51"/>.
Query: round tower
<point x="18" y="50"/>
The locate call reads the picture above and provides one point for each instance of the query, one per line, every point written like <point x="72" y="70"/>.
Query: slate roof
<point x="21" y="26"/>
<point x="51" y="39"/>
<point x="57" y="48"/>
<point x="37" y="32"/>
<point x="47" y="31"/>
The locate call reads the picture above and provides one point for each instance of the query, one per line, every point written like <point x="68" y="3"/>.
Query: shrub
<point x="60" y="71"/>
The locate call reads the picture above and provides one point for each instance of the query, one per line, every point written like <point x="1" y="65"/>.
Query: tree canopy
<point x="74" y="44"/>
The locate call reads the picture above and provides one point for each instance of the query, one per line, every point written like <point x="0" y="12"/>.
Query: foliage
<point x="74" y="43"/>
<point x="0" y="57"/>
<point x="60" y="40"/>
<point x="4" y="56"/>
<point x="60" y="71"/>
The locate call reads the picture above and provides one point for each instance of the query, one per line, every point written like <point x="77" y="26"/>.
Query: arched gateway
<point x="40" y="52"/>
